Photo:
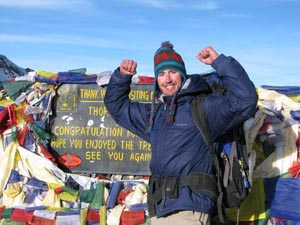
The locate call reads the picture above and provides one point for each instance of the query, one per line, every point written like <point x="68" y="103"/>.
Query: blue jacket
<point x="178" y="148"/>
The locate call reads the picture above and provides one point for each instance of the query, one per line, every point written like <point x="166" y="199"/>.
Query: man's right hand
<point x="128" y="67"/>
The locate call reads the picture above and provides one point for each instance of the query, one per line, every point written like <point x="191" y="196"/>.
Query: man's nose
<point x="167" y="77"/>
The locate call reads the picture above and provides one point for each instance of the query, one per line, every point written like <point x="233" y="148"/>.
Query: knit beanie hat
<point x="167" y="58"/>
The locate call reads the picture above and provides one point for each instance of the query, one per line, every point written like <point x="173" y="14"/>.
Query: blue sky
<point x="59" y="35"/>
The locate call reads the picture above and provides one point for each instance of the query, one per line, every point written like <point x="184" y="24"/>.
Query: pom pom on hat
<point x="167" y="44"/>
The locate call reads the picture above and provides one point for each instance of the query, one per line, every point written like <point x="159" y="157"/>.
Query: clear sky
<point x="59" y="35"/>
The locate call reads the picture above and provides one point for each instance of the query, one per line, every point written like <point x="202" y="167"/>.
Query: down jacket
<point x="178" y="148"/>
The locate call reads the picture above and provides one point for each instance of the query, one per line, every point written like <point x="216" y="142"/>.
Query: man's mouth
<point x="170" y="87"/>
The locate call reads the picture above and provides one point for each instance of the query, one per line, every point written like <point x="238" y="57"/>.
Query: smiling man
<point x="169" y="81"/>
<point x="180" y="156"/>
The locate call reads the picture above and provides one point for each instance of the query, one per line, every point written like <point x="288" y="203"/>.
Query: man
<point x="178" y="149"/>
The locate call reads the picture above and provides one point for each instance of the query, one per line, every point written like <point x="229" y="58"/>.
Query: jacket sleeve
<point x="130" y="115"/>
<point x="239" y="102"/>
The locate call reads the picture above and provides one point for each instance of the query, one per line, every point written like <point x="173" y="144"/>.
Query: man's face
<point x="169" y="81"/>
